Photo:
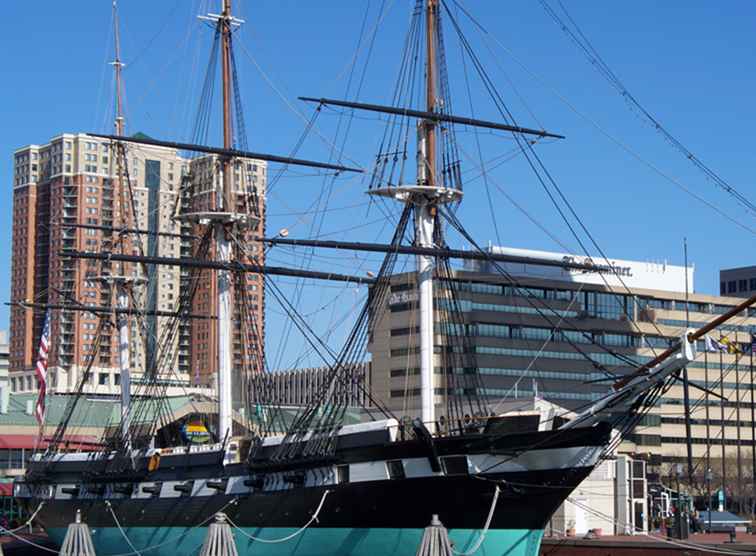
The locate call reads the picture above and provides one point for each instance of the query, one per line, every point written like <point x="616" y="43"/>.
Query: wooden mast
<point x="118" y="65"/>
<point x="120" y="282"/>
<point x="225" y="225"/>
<point x="224" y="23"/>
<point x="426" y="203"/>
<point x="430" y="90"/>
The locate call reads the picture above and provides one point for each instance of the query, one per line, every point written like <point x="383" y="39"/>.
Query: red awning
<point x="31" y="441"/>
<point x="6" y="489"/>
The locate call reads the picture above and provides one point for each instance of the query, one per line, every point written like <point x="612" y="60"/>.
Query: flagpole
<point x="722" y="425"/>
<point x="686" y="383"/>
<point x="708" y="429"/>
<point x="737" y="418"/>
<point x="753" y="432"/>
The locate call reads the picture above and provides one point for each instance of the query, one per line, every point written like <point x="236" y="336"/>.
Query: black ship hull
<point x="515" y="486"/>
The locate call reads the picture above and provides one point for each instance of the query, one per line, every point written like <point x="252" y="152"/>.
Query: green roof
<point x="101" y="412"/>
<point x="89" y="412"/>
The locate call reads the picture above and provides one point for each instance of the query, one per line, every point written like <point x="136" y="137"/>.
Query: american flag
<point x="41" y="369"/>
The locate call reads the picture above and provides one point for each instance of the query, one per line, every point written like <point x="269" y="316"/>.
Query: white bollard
<point x="220" y="539"/>
<point x="78" y="541"/>
<point x="435" y="540"/>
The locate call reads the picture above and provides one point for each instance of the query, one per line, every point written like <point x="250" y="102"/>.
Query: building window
<point x="742" y="285"/>
<point x="723" y="288"/>
<point x="104" y="379"/>
<point x="752" y="284"/>
<point x="731" y="286"/>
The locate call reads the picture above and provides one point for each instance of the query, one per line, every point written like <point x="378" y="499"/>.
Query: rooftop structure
<point x="738" y="282"/>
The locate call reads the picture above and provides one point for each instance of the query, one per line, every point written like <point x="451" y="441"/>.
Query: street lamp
<point x="678" y="470"/>
<point x="707" y="478"/>
<point x="283" y="232"/>
<point x="678" y="474"/>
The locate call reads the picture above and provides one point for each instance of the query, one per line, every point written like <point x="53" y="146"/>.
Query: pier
<point x="655" y="545"/>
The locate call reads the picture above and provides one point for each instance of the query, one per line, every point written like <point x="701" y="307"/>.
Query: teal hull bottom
<point x="176" y="541"/>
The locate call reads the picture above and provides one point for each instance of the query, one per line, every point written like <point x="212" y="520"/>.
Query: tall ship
<point x="304" y="481"/>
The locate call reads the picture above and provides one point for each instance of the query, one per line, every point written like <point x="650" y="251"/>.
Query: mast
<point x="426" y="195"/>
<point x="119" y="282"/>
<point x="430" y="92"/>
<point x="117" y="67"/>
<point x="425" y="211"/>
<point x="225" y="222"/>
<point x="124" y="357"/>
<point x="222" y="241"/>
<point x="225" y="28"/>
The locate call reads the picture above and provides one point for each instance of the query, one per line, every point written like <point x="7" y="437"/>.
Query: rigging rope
<point x="296" y="533"/>
<point x="624" y="146"/>
<point x="482" y="535"/>
<point x="123" y="533"/>
<point x="543" y="175"/>
<point x="27" y="523"/>
<point x="576" y="35"/>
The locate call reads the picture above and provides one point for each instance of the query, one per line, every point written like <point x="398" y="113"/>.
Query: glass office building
<point x="562" y="334"/>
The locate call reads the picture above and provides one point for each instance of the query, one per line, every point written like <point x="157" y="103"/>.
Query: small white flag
<point x="713" y="345"/>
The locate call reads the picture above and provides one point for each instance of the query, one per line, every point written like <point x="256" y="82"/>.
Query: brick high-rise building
<point x="73" y="180"/>
<point x="249" y="184"/>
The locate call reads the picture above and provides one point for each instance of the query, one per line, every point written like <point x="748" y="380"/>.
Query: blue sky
<point x="690" y="63"/>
